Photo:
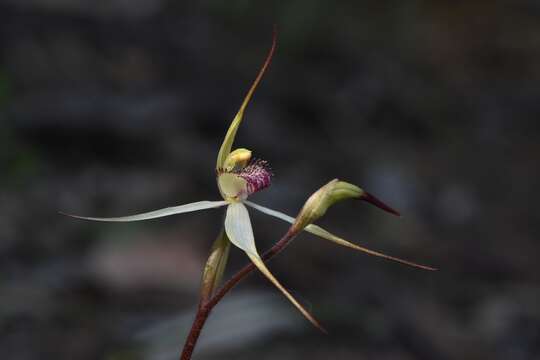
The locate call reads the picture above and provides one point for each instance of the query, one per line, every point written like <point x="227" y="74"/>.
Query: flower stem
<point x="196" y="328"/>
<point x="205" y="307"/>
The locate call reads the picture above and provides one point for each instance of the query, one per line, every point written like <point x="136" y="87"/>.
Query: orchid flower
<point x="238" y="177"/>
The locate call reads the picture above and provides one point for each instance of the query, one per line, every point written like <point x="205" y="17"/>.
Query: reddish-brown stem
<point x="204" y="309"/>
<point x="196" y="328"/>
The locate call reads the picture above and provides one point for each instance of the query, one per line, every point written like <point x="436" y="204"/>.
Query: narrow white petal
<point x="239" y="231"/>
<point x="199" y="205"/>
<point x="319" y="231"/>
<point x="271" y="212"/>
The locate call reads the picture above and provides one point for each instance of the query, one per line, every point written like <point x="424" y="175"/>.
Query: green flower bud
<point x="215" y="266"/>
<point x="317" y="204"/>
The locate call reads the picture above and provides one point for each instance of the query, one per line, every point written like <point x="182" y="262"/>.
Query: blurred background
<point x="116" y="107"/>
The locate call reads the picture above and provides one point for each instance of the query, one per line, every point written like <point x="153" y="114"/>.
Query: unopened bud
<point x="317" y="204"/>
<point x="215" y="266"/>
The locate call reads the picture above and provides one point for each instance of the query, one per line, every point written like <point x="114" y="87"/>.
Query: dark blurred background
<point x="114" y="107"/>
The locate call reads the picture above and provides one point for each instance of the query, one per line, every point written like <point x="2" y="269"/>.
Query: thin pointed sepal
<point x="196" y="206"/>
<point x="318" y="231"/>
<point x="226" y="146"/>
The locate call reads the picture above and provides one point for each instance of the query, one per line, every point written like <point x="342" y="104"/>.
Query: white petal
<point x="239" y="231"/>
<point x="238" y="228"/>
<point x="199" y="205"/>
<point x="271" y="212"/>
<point x="319" y="231"/>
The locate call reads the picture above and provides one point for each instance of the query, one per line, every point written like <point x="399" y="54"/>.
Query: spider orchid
<point x="239" y="176"/>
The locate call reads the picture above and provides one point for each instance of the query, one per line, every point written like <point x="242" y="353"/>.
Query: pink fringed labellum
<point x="257" y="175"/>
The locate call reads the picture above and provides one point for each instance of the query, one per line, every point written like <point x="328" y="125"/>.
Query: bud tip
<point x="378" y="203"/>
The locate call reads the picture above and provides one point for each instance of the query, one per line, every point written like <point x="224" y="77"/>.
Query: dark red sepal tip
<point x="378" y="203"/>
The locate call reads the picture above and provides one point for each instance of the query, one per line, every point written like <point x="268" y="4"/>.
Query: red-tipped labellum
<point x="378" y="203"/>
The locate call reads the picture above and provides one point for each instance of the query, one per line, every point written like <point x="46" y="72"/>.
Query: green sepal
<point x="226" y="147"/>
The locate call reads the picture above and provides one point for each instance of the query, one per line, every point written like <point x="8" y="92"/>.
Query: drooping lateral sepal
<point x="240" y="233"/>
